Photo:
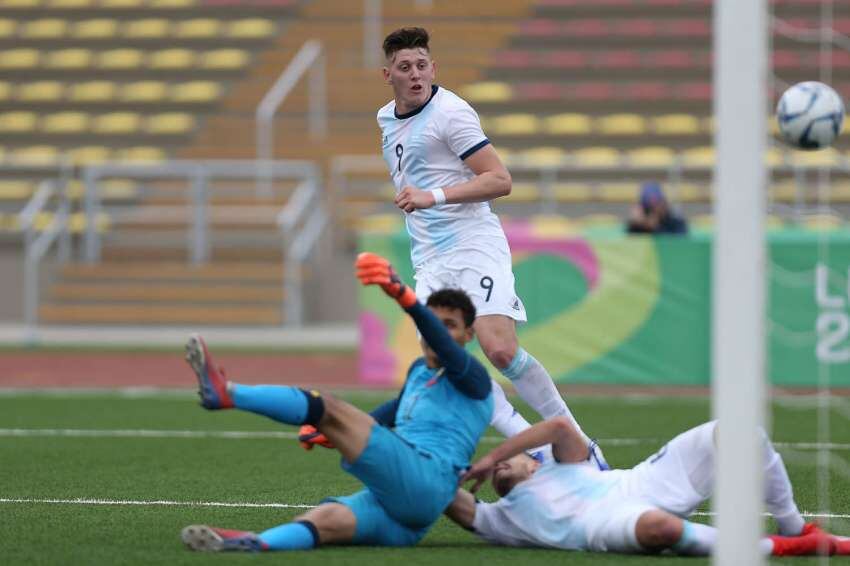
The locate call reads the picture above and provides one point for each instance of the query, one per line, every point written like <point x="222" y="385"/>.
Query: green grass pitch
<point x="187" y="467"/>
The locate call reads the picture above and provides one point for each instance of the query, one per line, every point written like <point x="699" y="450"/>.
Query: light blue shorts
<point x="406" y="490"/>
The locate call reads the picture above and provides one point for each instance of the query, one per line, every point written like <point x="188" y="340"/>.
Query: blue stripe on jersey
<point x="473" y="149"/>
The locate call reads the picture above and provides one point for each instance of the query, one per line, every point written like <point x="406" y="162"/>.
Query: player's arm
<point x="567" y="447"/>
<point x="462" y="509"/>
<point x="465" y="372"/>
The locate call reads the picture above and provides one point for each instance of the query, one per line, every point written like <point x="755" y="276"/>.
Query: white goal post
<point x="738" y="331"/>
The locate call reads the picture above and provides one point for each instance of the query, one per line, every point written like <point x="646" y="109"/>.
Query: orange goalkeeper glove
<point x="308" y="437"/>
<point x="373" y="269"/>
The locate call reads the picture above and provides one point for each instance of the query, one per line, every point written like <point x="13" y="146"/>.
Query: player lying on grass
<point x="411" y="474"/>
<point x="570" y="505"/>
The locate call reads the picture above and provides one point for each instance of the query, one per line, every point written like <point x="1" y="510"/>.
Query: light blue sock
<point x="697" y="540"/>
<point x="279" y="402"/>
<point x="291" y="536"/>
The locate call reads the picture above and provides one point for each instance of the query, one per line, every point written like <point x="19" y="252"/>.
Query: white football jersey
<point x="426" y="149"/>
<point x="548" y="509"/>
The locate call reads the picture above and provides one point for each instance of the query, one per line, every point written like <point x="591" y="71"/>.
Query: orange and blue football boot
<point x="212" y="385"/>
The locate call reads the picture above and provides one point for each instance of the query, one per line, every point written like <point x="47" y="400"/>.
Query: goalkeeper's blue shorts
<point x="406" y="490"/>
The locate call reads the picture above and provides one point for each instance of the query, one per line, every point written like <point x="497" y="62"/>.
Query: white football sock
<point x="697" y="540"/>
<point x="535" y="386"/>
<point x="506" y="419"/>
<point x="778" y="493"/>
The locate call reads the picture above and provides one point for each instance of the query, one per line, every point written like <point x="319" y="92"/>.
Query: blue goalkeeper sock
<point x="301" y="535"/>
<point x="284" y="404"/>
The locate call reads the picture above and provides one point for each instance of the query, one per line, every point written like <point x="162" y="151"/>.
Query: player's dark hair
<point x="405" y="38"/>
<point x="454" y="299"/>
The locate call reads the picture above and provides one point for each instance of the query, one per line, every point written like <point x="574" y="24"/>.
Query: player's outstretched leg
<point x="282" y="403"/>
<point x="212" y="385"/>
<point x="212" y="539"/>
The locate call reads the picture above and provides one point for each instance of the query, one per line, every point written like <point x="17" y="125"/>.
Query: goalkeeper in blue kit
<point x="411" y="472"/>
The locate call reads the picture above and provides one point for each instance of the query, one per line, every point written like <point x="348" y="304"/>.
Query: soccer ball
<point x="810" y="115"/>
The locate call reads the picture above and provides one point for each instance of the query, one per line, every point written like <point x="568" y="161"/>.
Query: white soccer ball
<point x="810" y="115"/>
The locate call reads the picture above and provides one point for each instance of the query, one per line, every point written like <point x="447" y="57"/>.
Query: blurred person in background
<point x="654" y="215"/>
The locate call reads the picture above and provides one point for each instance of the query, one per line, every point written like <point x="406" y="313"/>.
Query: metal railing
<point x="37" y="244"/>
<point x="309" y="58"/>
<point x="299" y="222"/>
<point x="674" y="173"/>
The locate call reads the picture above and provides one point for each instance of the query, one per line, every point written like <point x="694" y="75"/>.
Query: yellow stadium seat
<point x="117" y="123"/>
<point x="773" y="157"/>
<point x="65" y="123"/>
<point x="543" y="156"/>
<point x="828" y="157"/>
<point x="600" y="220"/>
<point x="8" y="28"/>
<point x="120" y="59"/>
<point x="70" y="3"/>
<point x="41" y="91"/>
<point x="688" y="192"/>
<point x="171" y="3"/>
<point x="597" y="157"/>
<point x="621" y="124"/>
<point x="197" y="28"/>
<point x="141" y="153"/>
<point x="92" y="91"/>
<point x="675" y="125"/>
<point x="773" y="222"/>
<point x="89" y="154"/>
<point x="618" y="192"/>
<point x="551" y="225"/>
<point x="514" y="124"/>
<point x="5" y="90"/>
<point x="572" y="192"/>
<point x="20" y="3"/>
<point x="784" y="191"/>
<point x="16" y="59"/>
<point x="822" y="222"/>
<point x="171" y="59"/>
<point x="568" y="124"/>
<point x="251" y="28"/>
<point x="699" y="156"/>
<point x="523" y="192"/>
<point x="708" y="124"/>
<point x="36" y="154"/>
<point x="100" y="28"/>
<point x="17" y="122"/>
<point x="195" y="92"/>
<point x="15" y="189"/>
<point x="143" y="91"/>
<point x="840" y="192"/>
<point x="170" y="123"/>
<point x="651" y="156"/>
<point x="487" y="92"/>
<point x="148" y="28"/>
<point x="122" y="3"/>
<point x="225" y="59"/>
<point x="46" y="28"/>
<point x="69" y="59"/>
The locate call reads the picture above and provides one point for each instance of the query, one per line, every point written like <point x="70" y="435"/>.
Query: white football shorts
<point x="486" y="276"/>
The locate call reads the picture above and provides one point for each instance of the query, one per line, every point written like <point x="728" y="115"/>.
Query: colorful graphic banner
<point x="608" y="308"/>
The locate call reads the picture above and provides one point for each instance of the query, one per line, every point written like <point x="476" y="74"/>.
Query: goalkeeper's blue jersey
<point x="435" y="417"/>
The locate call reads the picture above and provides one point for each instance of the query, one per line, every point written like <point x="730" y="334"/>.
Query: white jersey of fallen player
<point x="580" y="507"/>
<point x="426" y="149"/>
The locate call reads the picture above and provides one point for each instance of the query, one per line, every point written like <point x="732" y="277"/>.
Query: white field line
<point x="291" y="435"/>
<point x="159" y="502"/>
<point x="248" y="505"/>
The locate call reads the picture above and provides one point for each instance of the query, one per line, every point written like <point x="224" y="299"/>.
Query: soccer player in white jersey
<point x="446" y="172"/>
<point x="571" y="504"/>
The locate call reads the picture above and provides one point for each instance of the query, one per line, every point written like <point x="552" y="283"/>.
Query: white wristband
<point x="439" y="196"/>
